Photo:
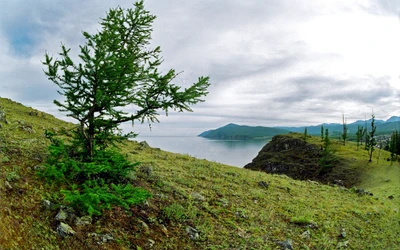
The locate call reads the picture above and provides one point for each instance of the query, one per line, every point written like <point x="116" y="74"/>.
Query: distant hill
<point x="239" y="132"/>
<point x="243" y="132"/>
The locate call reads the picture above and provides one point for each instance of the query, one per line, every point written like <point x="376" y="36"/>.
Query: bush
<point x="93" y="197"/>
<point x="92" y="185"/>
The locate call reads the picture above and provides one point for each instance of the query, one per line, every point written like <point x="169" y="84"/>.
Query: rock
<point x="241" y="214"/>
<point x="343" y="244"/>
<point x="223" y="202"/>
<point x="164" y="230"/>
<point x="69" y="210"/>
<point x="47" y="204"/>
<point x="61" y="215"/>
<point x="8" y="185"/>
<point x="151" y="243"/>
<point x="342" y="233"/>
<point x="193" y="233"/>
<point x="286" y="245"/>
<point x="198" y="197"/>
<point x="144" y="226"/>
<point x="101" y="238"/>
<point x="313" y="225"/>
<point x="144" y="144"/>
<point x="162" y="196"/>
<point x="362" y="192"/>
<point x="340" y="183"/>
<point x="64" y="230"/>
<point x="146" y="170"/>
<point x="39" y="167"/>
<point x="84" y="220"/>
<point x="3" y="116"/>
<point x="107" y="237"/>
<point x="263" y="184"/>
<point x="306" y="234"/>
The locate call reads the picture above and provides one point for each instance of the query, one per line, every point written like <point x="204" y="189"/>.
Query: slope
<point x="196" y="204"/>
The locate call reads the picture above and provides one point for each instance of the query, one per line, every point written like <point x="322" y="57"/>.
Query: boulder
<point x="84" y="220"/>
<point x="64" y="230"/>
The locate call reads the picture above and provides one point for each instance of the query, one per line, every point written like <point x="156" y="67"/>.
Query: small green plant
<point x="174" y="212"/>
<point x="301" y="220"/>
<point x="92" y="197"/>
<point x="91" y="186"/>
<point x="4" y="159"/>
<point x="13" y="175"/>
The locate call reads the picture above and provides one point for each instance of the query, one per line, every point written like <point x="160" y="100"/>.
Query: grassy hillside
<point x="196" y="204"/>
<point x="290" y="154"/>
<point x="238" y="132"/>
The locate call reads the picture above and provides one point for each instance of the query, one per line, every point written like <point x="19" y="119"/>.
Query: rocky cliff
<point x="293" y="156"/>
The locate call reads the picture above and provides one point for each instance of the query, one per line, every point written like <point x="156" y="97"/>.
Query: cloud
<point x="271" y="62"/>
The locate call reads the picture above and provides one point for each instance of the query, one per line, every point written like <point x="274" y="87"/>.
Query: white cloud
<point x="275" y="62"/>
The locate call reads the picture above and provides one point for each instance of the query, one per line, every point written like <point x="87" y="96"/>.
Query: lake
<point x="230" y="152"/>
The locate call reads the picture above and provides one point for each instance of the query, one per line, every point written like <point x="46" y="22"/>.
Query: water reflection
<point x="231" y="152"/>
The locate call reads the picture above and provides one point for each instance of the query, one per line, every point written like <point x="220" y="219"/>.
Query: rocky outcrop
<point x="298" y="159"/>
<point x="285" y="154"/>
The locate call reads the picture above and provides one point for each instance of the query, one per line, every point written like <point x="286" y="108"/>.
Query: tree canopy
<point x="117" y="69"/>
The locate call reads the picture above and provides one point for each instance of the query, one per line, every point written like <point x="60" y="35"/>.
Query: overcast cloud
<point x="271" y="62"/>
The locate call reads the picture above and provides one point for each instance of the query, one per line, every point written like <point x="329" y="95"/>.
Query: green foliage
<point x="13" y="175"/>
<point x="301" y="220"/>
<point x="116" y="70"/>
<point x="174" y="212"/>
<point x="239" y="132"/>
<point x="344" y="134"/>
<point x="359" y="135"/>
<point x="305" y="134"/>
<point x="322" y="133"/>
<point x="328" y="157"/>
<point x="394" y="145"/>
<point x="92" y="197"/>
<point x="90" y="185"/>
<point x="371" y="141"/>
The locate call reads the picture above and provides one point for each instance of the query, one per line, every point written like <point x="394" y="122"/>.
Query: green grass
<point x="235" y="212"/>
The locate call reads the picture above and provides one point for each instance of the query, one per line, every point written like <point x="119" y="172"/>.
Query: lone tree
<point x="305" y="134"/>
<point x="344" y="134"/>
<point x="359" y="135"/>
<point x="322" y="133"/>
<point x="370" y="141"/>
<point x="116" y="70"/>
<point x="116" y="80"/>
<point x="394" y="145"/>
<point x="327" y="158"/>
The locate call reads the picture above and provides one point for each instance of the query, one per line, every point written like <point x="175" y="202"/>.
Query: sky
<point x="270" y="62"/>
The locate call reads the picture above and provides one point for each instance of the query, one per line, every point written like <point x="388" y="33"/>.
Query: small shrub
<point x="93" y="197"/>
<point x="301" y="220"/>
<point x="174" y="212"/>
<point x="12" y="175"/>
<point x="91" y="185"/>
<point x="4" y="159"/>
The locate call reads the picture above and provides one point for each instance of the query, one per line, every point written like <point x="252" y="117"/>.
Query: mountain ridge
<point x="246" y="132"/>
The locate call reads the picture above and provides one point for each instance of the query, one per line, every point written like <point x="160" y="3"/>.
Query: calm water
<point x="234" y="153"/>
